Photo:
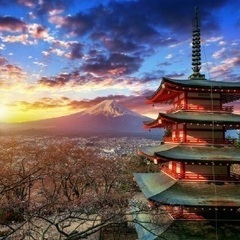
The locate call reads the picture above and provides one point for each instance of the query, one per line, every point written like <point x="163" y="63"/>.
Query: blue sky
<point x="60" y="57"/>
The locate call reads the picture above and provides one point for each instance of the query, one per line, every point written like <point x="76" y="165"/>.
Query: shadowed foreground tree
<point x="62" y="191"/>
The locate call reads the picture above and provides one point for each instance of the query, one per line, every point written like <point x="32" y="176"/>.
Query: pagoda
<point x="197" y="161"/>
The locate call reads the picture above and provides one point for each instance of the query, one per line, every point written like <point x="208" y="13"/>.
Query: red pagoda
<point x="197" y="161"/>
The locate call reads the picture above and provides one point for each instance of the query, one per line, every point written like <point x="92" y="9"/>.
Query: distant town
<point x="109" y="147"/>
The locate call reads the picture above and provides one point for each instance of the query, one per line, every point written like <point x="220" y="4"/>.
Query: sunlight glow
<point x="3" y="113"/>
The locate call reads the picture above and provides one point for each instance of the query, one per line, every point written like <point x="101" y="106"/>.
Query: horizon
<point x="81" y="111"/>
<point x="62" y="57"/>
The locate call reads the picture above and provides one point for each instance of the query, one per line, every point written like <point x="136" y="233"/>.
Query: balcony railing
<point x="197" y="176"/>
<point x="211" y="108"/>
<point x="200" y="140"/>
<point x="171" y="139"/>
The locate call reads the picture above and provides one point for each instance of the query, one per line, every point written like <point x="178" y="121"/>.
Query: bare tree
<point x="63" y="192"/>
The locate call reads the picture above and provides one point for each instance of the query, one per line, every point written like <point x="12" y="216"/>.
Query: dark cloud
<point x="119" y="27"/>
<point x="45" y="6"/>
<point x="79" y="24"/>
<point x="132" y="25"/>
<point x="116" y="44"/>
<point x="58" y="81"/>
<point x="105" y="74"/>
<point x="12" y="24"/>
<point x="129" y="31"/>
<point x="73" y="78"/>
<point x="125" y="20"/>
<point x="76" y="52"/>
<point x="115" y="64"/>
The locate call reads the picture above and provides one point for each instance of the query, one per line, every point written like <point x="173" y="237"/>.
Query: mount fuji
<point x="107" y="117"/>
<point x="109" y="108"/>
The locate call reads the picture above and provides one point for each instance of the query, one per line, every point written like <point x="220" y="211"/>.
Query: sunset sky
<point x="61" y="57"/>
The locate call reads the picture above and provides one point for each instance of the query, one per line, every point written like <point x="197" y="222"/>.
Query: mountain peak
<point x="109" y="108"/>
<point x="108" y="117"/>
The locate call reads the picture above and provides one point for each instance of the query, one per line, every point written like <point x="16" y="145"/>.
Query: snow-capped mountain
<point x="109" y="108"/>
<point x="108" y="117"/>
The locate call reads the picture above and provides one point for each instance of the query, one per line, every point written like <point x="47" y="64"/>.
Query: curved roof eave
<point x="169" y="84"/>
<point x="191" y="194"/>
<point x="164" y="91"/>
<point x="190" y="153"/>
<point x="193" y="117"/>
<point x="204" y="83"/>
<point x="159" y="187"/>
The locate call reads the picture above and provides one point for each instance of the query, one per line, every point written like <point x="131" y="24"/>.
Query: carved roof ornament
<point x="196" y="49"/>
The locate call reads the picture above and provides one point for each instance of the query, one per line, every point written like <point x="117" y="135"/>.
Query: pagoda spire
<point x="196" y="49"/>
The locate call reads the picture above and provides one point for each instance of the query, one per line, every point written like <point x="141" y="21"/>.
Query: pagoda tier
<point x="192" y="163"/>
<point x="171" y="90"/>
<point x="193" y="154"/>
<point x="187" y="194"/>
<point x="196" y="126"/>
<point x="228" y="120"/>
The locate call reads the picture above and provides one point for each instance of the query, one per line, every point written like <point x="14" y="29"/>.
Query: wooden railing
<point x="198" y="176"/>
<point x="211" y="108"/>
<point x="171" y="139"/>
<point x="200" y="140"/>
<point x="211" y="140"/>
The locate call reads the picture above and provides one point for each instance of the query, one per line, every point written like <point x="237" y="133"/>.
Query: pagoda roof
<point x="155" y="187"/>
<point x="204" y="83"/>
<point x="169" y="88"/>
<point x="164" y="119"/>
<point x="148" y="229"/>
<point x="192" y="153"/>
